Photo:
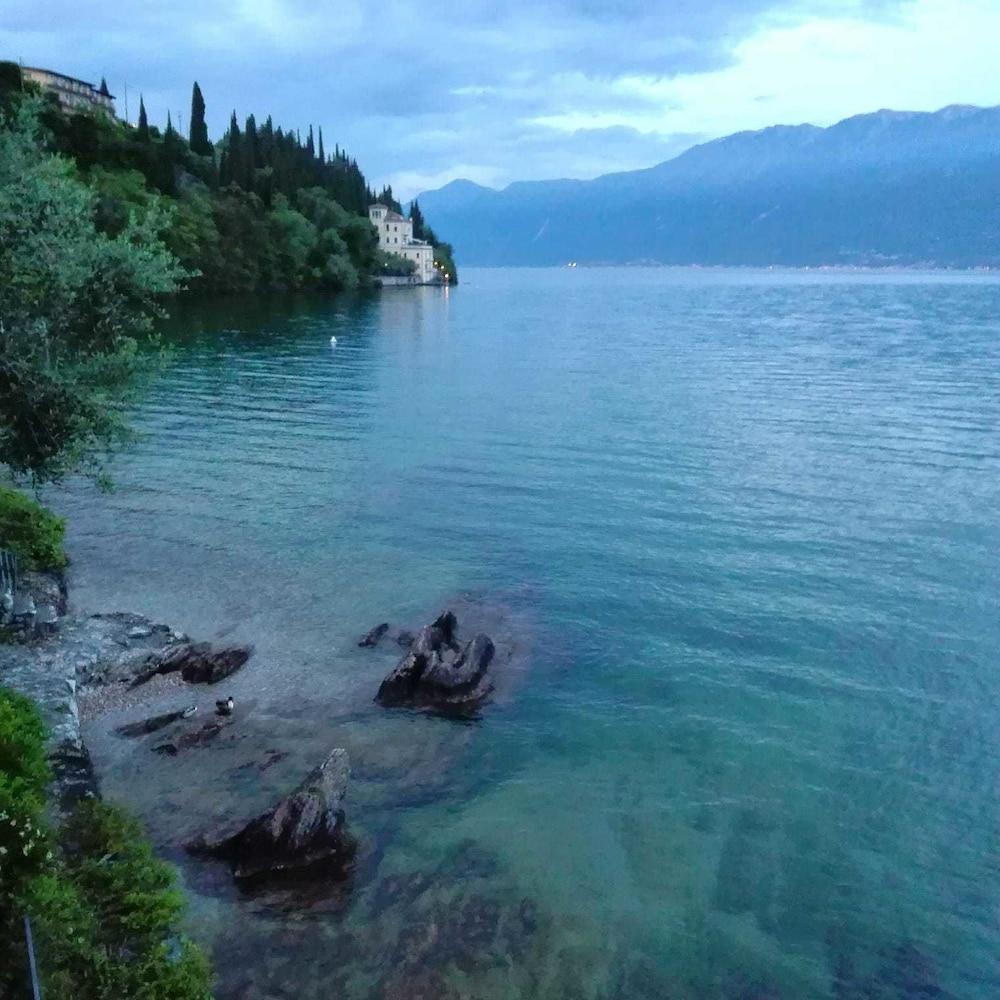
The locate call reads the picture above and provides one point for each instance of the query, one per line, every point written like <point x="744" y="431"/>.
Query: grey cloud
<point x="404" y="92"/>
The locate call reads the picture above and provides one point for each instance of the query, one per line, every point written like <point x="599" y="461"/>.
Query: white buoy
<point x="333" y="341"/>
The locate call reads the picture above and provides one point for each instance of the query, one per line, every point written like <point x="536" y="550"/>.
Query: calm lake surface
<point x="743" y="530"/>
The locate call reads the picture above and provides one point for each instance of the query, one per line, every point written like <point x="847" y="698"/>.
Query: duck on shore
<point x="225" y="707"/>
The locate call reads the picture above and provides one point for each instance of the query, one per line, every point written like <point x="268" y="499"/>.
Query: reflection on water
<point x="741" y="528"/>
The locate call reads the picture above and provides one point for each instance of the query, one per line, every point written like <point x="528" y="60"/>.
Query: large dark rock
<point x="372" y="638"/>
<point x="304" y="828"/>
<point x="438" y="672"/>
<point x="198" y="662"/>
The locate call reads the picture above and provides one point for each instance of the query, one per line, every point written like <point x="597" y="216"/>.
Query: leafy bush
<point x="106" y="912"/>
<point x="108" y="921"/>
<point x="31" y="530"/>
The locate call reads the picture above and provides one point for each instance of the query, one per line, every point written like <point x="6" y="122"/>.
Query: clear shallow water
<point x="744" y="527"/>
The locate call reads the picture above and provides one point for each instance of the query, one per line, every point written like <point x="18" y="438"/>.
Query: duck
<point x="225" y="707"/>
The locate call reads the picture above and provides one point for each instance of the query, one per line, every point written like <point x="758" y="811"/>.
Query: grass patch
<point x="31" y="530"/>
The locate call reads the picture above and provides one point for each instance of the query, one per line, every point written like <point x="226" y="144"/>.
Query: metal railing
<point x="29" y="945"/>
<point x="8" y="571"/>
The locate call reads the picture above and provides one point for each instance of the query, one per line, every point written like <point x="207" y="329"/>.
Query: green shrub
<point x="106" y="912"/>
<point x="31" y="530"/>
<point x="108" y="925"/>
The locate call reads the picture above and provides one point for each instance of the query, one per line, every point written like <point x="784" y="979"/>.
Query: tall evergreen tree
<point x="250" y="157"/>
<point x="322" y="157"/>
<point x="198" y="134"/>
<point x="233" y="172"/>
<point x="310" y="145"/>
<point x="104" y="92"/>
<point x="417" y="218"/>
<point x="143" y="130"/>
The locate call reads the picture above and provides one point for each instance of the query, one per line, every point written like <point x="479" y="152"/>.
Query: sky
<point x="423" y="93"/>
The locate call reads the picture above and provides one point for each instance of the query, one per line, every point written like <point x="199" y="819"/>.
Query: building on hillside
<point x="73" y="94"/>
<point x="395" y="235"/>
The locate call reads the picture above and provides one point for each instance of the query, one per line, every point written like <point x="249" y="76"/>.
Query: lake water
<point x="742" y="528"/>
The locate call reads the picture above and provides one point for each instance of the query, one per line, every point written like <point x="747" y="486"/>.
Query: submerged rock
<point x="203" y="734"/>
<point x="198" y="662"/>
<point x="304" y="828"/>
<point x="438" y="672"/>
<point x="371" y="639"/>
<point x="155" y="722"/>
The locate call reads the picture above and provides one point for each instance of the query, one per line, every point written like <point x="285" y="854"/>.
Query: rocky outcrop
<point x="371" y="639"/>
<point x="198" y="662"/>
<point x="304" y="828"/>
<point x="439" y="672"/>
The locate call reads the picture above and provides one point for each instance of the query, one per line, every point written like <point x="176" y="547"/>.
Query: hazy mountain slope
<point x="901" y="187"/>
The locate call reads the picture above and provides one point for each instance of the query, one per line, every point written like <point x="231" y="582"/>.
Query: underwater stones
<point x="438" y="672"/>
<point x="198" y="662"/>
<point x="205" y="733"/>
<point x="155" y="722"/>
<point x="371" y="639"/>
<point x="305" y="827"/>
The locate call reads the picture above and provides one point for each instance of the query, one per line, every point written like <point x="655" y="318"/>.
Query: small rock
<point x="405" y="638"/>
<point x="192" y="738"/>
<point x="139" y="632"/>
<point x="156" y="722"/>
<point x="198" y="662"/>
<point x="371" y="639"/>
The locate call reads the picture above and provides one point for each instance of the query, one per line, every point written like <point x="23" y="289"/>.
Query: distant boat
<point x="333" y="341"/>
<point x="572" y="263"/>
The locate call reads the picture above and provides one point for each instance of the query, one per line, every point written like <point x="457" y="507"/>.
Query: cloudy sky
<point x="425" y="92"/>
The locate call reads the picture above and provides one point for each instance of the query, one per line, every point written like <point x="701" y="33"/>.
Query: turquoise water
<point x="743" y="528"/>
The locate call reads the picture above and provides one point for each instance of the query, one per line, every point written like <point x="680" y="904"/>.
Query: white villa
<point x="395" y="235"/>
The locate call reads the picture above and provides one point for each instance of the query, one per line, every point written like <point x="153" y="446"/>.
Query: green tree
<point x="417" y="218"/>
<point x="198" y="133"/>
<point x="143" y="129"/>
<point x="76" y="308"/>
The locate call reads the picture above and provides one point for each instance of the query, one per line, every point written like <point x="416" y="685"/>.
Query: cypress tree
<point x="310" y="145"/>
<point x="249" y="154"/>
<point x="198" y="134"/>
<point x="235" y="158"/>
<point x="322" y="157"/>
<point x="104" y="92"/>
<point x="143" y="129"/>
<point x="417" y="218"/>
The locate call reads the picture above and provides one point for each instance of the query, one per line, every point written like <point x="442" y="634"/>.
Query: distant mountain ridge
<point x="890" y="187"/>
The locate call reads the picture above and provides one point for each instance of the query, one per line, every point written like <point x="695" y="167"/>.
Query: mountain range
<point x="887" y="188"/>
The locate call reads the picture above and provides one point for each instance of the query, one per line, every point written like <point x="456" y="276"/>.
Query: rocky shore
<point x="78" y="667"/>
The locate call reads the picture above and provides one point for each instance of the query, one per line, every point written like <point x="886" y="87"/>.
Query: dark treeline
<point x="263" y="209"/>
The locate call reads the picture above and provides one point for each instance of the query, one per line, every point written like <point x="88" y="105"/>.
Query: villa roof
<point x="65" y="76"/>
<point x="391" y="214"/>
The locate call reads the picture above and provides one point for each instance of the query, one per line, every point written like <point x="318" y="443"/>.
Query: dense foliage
<point x="245" y="213"/>
<point x="31" y="531"/>
<point x="105" y="911"/>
